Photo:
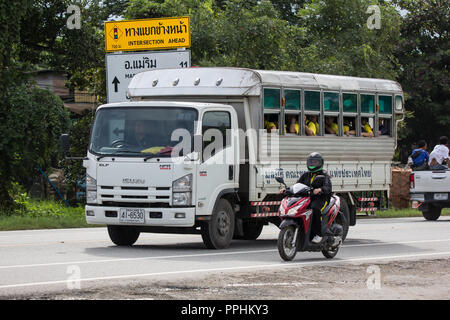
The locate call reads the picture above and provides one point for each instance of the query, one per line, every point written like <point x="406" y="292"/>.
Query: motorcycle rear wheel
<point x="286" y="250"/>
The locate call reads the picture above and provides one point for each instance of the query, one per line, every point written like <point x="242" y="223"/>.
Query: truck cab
<point x="145" y="169"/>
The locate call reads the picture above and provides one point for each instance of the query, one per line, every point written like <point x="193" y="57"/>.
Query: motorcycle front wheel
<point x="287" y="247"/>
<point x="330" y="254"/>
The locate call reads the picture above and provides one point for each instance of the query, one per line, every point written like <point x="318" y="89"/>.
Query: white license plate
<point x="440" y="196"/>
<point x="131" y="215"/>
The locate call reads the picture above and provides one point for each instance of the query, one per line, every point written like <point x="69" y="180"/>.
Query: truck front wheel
<point x="431" y="212"/>
<point x="218" y="232"/>
<point x="123" y="235"/>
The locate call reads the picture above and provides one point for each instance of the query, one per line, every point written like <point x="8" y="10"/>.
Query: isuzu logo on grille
<point x="133" y="181"/>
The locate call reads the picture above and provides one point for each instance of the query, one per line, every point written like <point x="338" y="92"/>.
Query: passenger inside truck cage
<point x="331" y="127"/>
<point x="312" y="125"/>
<point x="366" y="129"/>
<point x="291" y="125"/>
<point x="349" y="126"/>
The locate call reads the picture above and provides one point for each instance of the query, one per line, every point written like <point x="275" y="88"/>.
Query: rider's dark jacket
<point x="316" y="180"/>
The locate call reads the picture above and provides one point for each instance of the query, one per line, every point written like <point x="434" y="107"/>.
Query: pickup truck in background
<point x="430" y="192"/>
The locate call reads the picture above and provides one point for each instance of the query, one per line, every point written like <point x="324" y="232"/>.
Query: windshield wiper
<point x="164" y="151"/>
<point x="117" y="152"/>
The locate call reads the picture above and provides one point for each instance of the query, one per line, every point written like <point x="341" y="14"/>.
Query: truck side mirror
<point x="65" y="143"/>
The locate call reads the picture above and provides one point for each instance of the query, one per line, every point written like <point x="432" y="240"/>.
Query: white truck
<point x="430" y="192"/>
<point x="191" y="152"/>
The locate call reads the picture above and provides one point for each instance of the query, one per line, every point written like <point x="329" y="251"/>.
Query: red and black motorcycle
<point x="295" y="228"/>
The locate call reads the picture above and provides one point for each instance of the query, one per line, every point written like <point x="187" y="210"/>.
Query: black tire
<point x="252" y="230"/>
<point x="431" y="212"/>
<point x="218" y="232"/>
<point x="330" y="254"/>
<point x="345" y="223"/>
<point x="123" y="235"/>
<point x="285" y="249"/>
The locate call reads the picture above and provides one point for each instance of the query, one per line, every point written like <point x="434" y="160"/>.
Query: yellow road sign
<point x="148" y="34"/>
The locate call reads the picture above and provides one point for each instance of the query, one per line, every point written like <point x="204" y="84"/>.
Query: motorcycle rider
<point x="320" y="181"/>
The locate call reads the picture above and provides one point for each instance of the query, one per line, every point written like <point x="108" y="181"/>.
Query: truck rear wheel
<point x="218" y="232"/>
<point x="123" y="235"/>
<point x="431" y="212"/>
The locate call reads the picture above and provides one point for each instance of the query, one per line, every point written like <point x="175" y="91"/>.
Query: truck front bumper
<point x="164" y="217"/>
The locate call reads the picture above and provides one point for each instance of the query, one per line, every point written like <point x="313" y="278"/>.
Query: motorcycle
<point x="295" y="228"/>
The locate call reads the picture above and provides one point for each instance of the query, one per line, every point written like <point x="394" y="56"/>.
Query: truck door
<point x="218" y="169"/>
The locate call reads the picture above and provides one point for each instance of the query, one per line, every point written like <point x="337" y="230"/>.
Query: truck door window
<point x="216" y="128"/>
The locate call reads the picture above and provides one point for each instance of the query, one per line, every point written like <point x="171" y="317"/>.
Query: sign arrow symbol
<point x="115" y="82"/>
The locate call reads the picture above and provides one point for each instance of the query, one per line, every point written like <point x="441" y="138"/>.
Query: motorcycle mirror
<point x="280" y="180"/>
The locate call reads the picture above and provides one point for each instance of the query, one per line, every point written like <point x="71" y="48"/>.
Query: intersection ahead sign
<point x="120" y="68"/>
<point x="148" y="34"/>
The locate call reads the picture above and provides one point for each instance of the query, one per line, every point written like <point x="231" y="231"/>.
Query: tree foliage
<point x="332" y="37"/>
<point x="424" y="54"/>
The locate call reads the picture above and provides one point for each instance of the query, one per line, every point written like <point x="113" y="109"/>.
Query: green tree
<point x="33" y="119"/>
<point x="424" y="53"/>
<point x="340" y="41"/>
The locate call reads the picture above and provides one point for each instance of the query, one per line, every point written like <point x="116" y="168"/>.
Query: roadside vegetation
<point x="400" y="213"/>
<point x="31" y="213"/>
<point x="411" y="46"/>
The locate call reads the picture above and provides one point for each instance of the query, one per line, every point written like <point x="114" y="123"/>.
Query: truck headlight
<point x="182" y="191"/>
<point x="91" y="189"/>
<point x="91" y="183"/>
<point x="181" y="199"/>
<point x="91" y="196"/>
<point x="183" y="184"/>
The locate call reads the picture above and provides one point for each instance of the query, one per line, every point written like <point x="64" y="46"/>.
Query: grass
<point x="42" y="214"/>
<point x="401" y="213"/>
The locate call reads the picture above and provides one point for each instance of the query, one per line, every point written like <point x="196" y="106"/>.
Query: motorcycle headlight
<point x="292" y="211"/>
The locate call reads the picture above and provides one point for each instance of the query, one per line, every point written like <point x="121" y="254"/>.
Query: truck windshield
<point x="143" y="131"/>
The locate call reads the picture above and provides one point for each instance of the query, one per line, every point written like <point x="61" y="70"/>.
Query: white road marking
<point x="293" y="264"/>
<point x="199" y="255"/>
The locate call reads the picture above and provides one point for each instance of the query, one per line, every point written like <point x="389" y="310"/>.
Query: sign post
<point x="120" y="68"/>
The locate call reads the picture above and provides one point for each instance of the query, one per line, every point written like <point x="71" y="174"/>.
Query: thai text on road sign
<point x="149" y="34"/>
<point x="121" y="68"/>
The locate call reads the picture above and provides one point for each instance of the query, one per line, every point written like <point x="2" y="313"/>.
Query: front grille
<point x="134" y="205"/>
<point x="134" y="188"/>
<point x="134" y="197"/>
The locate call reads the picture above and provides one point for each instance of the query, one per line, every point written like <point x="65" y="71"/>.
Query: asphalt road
<point x="44" y="261"/>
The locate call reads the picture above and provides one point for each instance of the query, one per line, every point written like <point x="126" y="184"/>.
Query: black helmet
<point x="314" y="162"/>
